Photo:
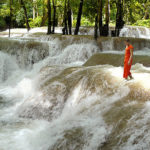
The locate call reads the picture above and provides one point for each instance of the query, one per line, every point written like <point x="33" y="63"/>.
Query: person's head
<point x="127" y="42"/>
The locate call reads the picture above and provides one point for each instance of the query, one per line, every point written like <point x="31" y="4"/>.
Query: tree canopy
<point x="35" y="12"/>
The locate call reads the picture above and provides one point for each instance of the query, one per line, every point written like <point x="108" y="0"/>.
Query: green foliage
<point x="20" y="17"/>
<point x="35" y="22"/>
<point x="113" y="11"/>
<point x="86" y="22"/>
<point x="4" y="11"/>
<point x="145" y="23"/>
<point x="136" y="12"/>
<point x="2" y="23"/>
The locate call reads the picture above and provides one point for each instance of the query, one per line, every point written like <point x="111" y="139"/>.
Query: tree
<point x="25" y="13"/>
<point x="96" y="21"/>
<point x="49" y="17"/>
<point x="69" y="14"/>
<point x="100" y="16"/>
<point x="34" y="8"/>
<point x="10" y="17"/>
<point x="119" y="17"/>
<point x="35" y="13"/>
<point x="65" y="29"/>
<point x="54" y="15"/>
<point x="147" y="9"/>
<point x="79" y="18"/>
<point x="96" y="27"/>
<point x="103" y="29"/>
<point x="44" y="13"/>
<point x="107" y="17"/>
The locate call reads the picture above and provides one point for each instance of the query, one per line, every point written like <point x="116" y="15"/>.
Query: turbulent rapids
<point x="67" y="93"/>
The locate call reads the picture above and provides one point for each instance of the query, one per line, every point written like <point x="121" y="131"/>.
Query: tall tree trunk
<point x="79" y="18"/>
<point x="49" y="17"/>
<point x="96" y="21"/>
<point x="54" y="16"/>
<point x="96" y="27"/>
<point x="37" y="13"/>
<point x="10" y="17"/>
<point x="119" y="17"/>
<point x="45" y="14"/>
<point x="65" y="29"/>
<point x="100" y="17"/>
<point x="146" y="16"/>
<point x="34" y="8"/>
<point x="107" y="17"/>
<point x="69" y="13"/>
<point x="25" y="13"/>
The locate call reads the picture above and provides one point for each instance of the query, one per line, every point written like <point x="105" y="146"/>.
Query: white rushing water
<point x="59" y="104"/>
<point x="21" y="32"/>
<point x="143" y="52"/>
<point x="127" y="31"/>
<point x="137" y="32"/>
<point x="18" y="84"/>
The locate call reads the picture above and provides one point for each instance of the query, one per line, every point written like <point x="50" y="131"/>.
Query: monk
<point x="128" y="60"/>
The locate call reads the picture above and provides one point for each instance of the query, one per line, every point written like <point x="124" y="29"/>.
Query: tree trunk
<point x="44" y="18"/>
<point x="119" y="18"/>
<point x="37" y="13"/>
<point x="146" y="7"/>
<point x="34" y="9"/>
<point x="25" y="13"/>
<point x="54" y="16"/>
<point x="100" y="17"/>
<point x="69" y="13"/>
<point x="45" y="14"/>
<point x="107" y="18"/>
<point x="79" y="18"/>
<point x="49" y="17"/>
<point x="10" y="17"/>
<point x="96" y="27"/>
<point x="146" y="15"/>
<point x="65" y="29"/>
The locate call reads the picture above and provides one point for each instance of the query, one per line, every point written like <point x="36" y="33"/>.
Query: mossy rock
<point x="115" y="60"/>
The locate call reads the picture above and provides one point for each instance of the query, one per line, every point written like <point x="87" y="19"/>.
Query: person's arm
<point x="131" y="56"/>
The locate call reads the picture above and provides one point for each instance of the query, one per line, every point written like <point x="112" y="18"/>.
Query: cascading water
<point x="24" y="33"/>
<point x="127" y="31"/>
<point x="7" y="67"/>
<point x="58" y="104"/>
<point x="18" y="85"/>
<point x="137" y="32"/>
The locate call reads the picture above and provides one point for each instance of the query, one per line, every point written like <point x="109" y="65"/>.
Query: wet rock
<point x="115" y="60"/>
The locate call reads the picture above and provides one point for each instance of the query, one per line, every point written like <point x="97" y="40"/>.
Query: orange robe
<point x="126" y="59"/>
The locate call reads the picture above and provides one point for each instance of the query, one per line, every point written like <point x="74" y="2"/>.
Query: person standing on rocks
<point x="128" y="60"/>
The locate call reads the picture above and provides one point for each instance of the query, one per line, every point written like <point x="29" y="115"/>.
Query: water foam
<point x="76" y="99"/>
<point x="137" y="32"/>
<point x="7" y="67"/>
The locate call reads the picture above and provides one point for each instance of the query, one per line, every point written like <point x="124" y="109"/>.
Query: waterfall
<point x="137" y="32"/>
<point x="43" y="30"/>
<point x="127" y="31"/>
<point x="7" y="66"/>
<point x="49" y="100"/>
